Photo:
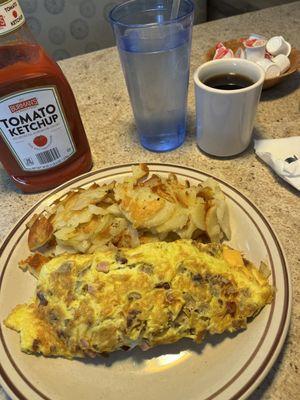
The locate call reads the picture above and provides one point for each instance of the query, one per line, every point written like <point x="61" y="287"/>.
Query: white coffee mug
<point x="225" y="118"/>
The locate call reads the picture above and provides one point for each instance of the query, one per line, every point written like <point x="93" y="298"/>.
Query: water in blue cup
<point x="154" y="51"/>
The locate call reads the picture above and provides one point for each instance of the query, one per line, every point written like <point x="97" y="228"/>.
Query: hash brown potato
<point x="143" y="208"/>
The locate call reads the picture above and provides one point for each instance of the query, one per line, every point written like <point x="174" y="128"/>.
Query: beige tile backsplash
<point x="70" y="27"/>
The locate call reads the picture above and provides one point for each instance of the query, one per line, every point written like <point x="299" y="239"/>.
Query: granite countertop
<point x="99" y="87"/>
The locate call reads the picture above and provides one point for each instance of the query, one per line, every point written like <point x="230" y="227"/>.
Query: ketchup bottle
<point x="42" y="139"/>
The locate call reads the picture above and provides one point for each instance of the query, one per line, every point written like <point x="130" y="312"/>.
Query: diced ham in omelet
<point x="157" y="293"/>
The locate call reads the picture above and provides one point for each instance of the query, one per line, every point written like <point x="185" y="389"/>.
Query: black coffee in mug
<point x="230" y="81"/>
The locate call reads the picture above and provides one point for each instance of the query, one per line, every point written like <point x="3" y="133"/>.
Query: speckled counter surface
<point x="98" y="84"/>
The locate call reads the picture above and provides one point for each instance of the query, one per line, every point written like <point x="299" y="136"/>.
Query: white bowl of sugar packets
<point x="275" y="55"/>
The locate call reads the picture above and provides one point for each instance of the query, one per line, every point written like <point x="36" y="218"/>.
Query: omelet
<point x="157" y="293"/>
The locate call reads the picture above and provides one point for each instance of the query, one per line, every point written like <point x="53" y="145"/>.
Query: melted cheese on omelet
<point x="154" y="294"/>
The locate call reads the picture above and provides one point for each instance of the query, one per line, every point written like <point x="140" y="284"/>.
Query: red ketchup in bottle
<point x="42" y="139"/>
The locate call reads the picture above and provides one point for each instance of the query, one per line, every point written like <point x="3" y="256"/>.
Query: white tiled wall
<point x="70" y="27"/>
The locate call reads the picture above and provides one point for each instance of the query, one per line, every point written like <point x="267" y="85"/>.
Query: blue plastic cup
<point x="154" y="52"/>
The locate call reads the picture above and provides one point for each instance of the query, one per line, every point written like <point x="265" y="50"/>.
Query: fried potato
<point x="34" y="263"/>
<point x="40" y="233"/>
<point x="166" y="205"/>
<point x="142" y="208"/>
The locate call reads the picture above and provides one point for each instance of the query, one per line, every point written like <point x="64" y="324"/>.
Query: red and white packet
<point x="222" y="52"/>
<point x="240" y="53"/>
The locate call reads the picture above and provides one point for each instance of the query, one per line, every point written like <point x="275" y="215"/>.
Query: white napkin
<point x="275" y="151"/>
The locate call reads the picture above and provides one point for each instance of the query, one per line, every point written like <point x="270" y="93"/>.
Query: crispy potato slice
<point x="34" y="263"/>
<point x="214" y="193"/>
<point x="212" y="227"/>
<point x="198" y="214"/>
<point x="149" y="214"/>
<point x="94" y="195"/>
<point x="39" y="233"/>
<point x="152" y="182"/>
<point x="188" y="230"/>
<point x="223" y="218"/>
<point x="140" y="172"/>
<point x="175" y="222"/>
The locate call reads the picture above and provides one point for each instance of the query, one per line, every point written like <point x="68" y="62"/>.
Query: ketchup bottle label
<point x="33" y="125"/>
<point x="11" y="17"/>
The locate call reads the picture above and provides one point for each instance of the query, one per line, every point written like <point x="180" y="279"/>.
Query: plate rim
<point x="265" y="365"/>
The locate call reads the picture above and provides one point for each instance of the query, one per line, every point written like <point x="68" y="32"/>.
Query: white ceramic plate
<point x="224" y="367"/>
